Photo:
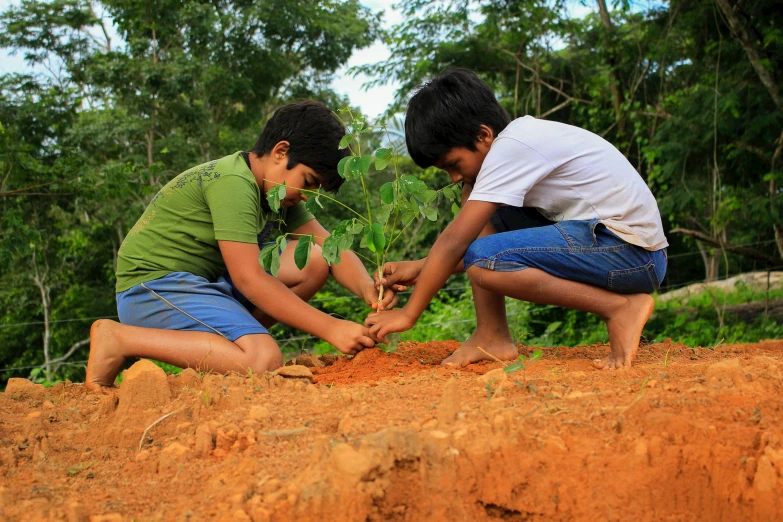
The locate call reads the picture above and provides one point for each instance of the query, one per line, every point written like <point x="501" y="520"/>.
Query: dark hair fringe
<point x="313" y="133"/>
<point x="448" y="112"/>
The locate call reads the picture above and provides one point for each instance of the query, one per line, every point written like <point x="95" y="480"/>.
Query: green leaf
<point x="341" y="166"/>
<point x="425" y="196"/>
<point x="302" y="252"/>
<point x="331" y="251"/>
<point x="387" y="193"/>
<point x="430" y="213"/>
<point x="382" y="158"/>
<point x="536" y="355"/>
<point x="274" y="195"/>
<point x="552" y="327"/>
<point x="454" y="209"/>
<point x="345" y="243"/>
<point x="353" y="168"/>
<point x="410" y="211"/>
<point x="452" y="192"/>
<point x="383" y="213"/>
<point x="356" y="227"/>
<point x="364" y="164"/>
<point x="313" y="203"/>
<point x="410" y="184"/>
<point x="514" y="367"/>
<point x="345" y="141"/>
<point x="282" y="242"/>
<point x="270" y="258"/>
<point x="375" y="238"/>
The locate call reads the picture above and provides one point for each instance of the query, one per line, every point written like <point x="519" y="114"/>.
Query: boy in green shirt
<point x="190" y="289"/>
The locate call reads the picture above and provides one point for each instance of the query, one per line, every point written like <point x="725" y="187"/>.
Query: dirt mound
<point x="686" y="434"/>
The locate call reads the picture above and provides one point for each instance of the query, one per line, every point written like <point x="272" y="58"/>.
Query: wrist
<point x="411" y="313"/>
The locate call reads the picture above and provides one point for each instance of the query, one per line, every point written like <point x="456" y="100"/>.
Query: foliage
<point x="381" y="222"/>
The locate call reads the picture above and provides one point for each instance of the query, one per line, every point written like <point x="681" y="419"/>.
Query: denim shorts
<point x="183" y="301"/>
<point x="583" y="251"/>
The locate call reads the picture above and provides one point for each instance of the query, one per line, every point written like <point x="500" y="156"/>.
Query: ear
<point x="280" y="151"/>
<point x="484" y="138"/>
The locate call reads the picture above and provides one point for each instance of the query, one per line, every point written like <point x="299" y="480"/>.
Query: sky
<point x="372" y="102"/>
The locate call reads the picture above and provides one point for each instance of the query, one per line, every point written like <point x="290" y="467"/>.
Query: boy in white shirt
<point x="603" y="250"/>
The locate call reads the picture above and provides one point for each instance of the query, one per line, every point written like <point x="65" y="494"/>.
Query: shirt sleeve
<point x="509" y="171"/>
<point x="234" y="206"/>
<point x="297" y="216"/>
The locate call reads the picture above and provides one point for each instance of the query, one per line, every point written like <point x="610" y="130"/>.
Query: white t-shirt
<point x="569" y="173"/>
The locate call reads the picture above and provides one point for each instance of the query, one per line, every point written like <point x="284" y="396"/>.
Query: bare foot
<point x="105" y="360"/>
<point x="502" y="348"/>
<point x="625" y="330"/>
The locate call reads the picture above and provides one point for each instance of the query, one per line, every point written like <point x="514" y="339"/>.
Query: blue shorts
<point x="583" y="251"/>
<point x="183" y="301"/>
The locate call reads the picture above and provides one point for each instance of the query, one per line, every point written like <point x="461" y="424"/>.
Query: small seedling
<point x="205" y="398"/>
<point x="522" y="362"/>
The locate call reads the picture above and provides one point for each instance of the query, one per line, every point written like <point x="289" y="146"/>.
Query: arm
<point x="445" y="255"/>
<point x="350" y="272"/>
<point x="276" y="300"/>
<point x="405" y="273"/>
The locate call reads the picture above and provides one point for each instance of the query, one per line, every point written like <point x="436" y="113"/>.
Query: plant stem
<point x="321" y="194"/>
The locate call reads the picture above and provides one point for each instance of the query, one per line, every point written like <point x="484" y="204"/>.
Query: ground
<point x="686" y="434"/>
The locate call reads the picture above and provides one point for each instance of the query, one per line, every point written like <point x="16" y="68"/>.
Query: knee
<point x="267" y="359"/>
<point x="102" y="327"/>
<point x="474" y="273"/>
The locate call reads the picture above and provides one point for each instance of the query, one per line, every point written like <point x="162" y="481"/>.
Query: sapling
<point x="378" y="226"/>
<point x="522" y="361"/>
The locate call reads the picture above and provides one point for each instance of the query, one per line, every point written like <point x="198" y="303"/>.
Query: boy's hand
<point x="370" y="295"/>
<point x="399" y="275"/>
<point x="350" y="338"/>
<point x="383" y="323"/>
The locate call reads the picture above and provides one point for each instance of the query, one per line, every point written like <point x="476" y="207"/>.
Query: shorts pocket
<point x="579" y="234"/>
<point x="642" y="280"/>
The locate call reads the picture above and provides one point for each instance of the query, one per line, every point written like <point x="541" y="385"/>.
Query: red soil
<point x="686" y="434"/>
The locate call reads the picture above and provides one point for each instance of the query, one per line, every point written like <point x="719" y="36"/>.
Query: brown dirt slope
<point x="687" y="434"/>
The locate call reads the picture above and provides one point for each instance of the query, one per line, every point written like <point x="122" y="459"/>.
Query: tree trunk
<point x="711" y="262"/>
<point x="39" y="278"/>
<point x="754" y="54"/>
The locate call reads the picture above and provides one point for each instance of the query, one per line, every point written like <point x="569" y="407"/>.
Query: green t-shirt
<point x="179" y="230"/>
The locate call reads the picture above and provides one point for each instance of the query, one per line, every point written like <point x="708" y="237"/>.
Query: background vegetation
<point x="131" y="93"/>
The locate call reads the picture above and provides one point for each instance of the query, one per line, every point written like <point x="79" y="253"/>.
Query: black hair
<point x="313" y="133"/>
<point x="448" y="112"/>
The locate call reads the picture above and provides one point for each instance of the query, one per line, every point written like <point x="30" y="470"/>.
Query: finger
<point x="399" y="288"/>
<point x="374" y="330"/>
<point x="388" y="268"/>
<point x="382" y="332"/>
<point x="389" y="300"/>
<point x="391" y="278"/>
<point x="377" y="339"/>
<point x="370" y="320"/>
<point x="366" y="341"/>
